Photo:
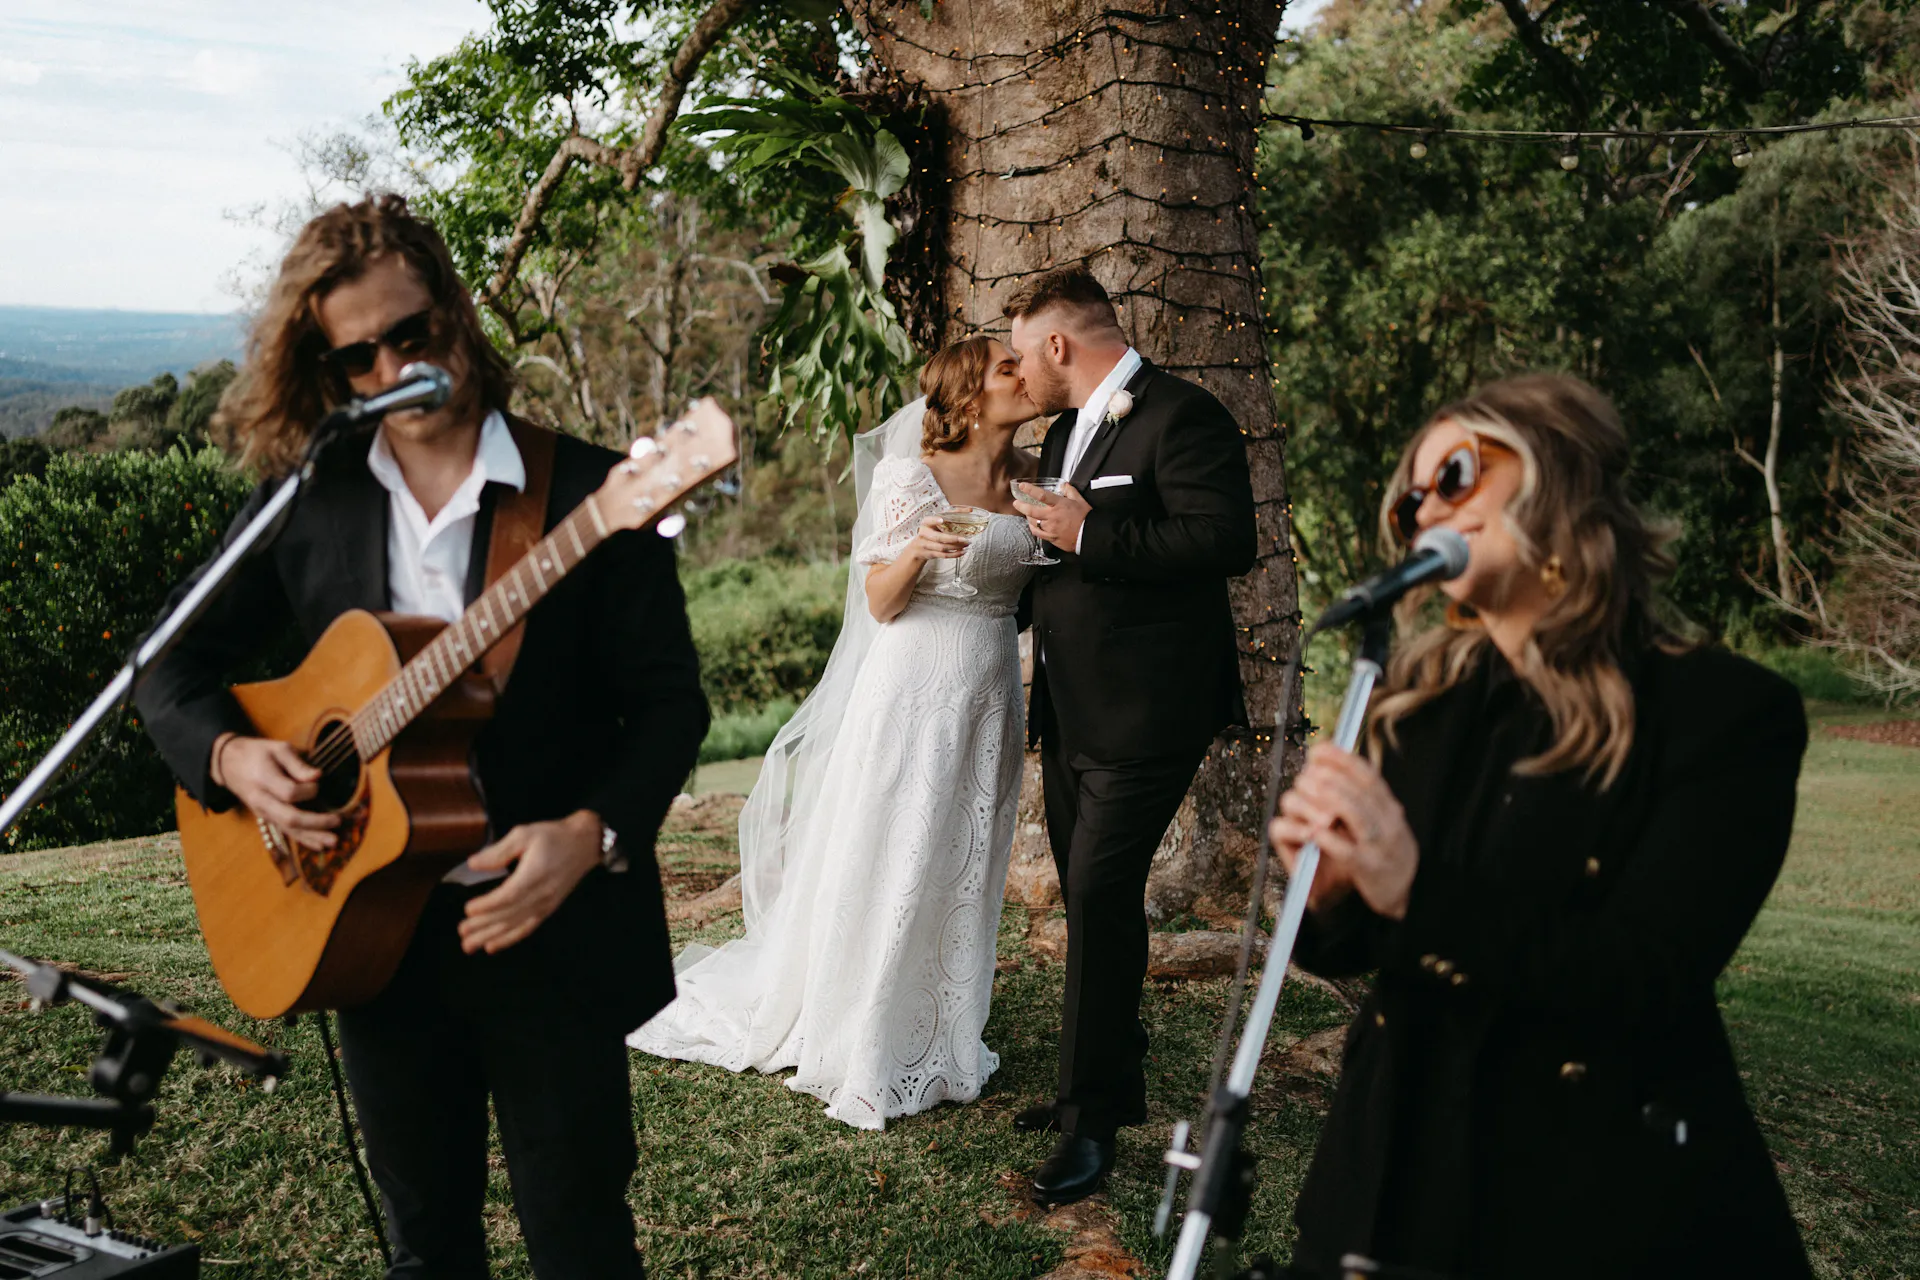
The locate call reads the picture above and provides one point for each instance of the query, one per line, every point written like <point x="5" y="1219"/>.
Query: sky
<point x="130" y="130"/>
<point x="134" y="136"/>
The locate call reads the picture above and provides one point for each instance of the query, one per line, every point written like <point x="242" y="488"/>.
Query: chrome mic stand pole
<point x="420" y="386"/>
<point x="259" y="530"/>
<point x="1218" y="1172"/>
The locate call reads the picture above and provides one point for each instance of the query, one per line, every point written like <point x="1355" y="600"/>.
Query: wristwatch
<point x="610" y="856"/>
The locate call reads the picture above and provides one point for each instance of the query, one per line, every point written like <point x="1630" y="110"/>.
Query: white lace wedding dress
<point x="868" y="964"/>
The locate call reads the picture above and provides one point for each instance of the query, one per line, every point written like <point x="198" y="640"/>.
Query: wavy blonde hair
<point x="1572" y="503"/>
<point x="283" y="389"/>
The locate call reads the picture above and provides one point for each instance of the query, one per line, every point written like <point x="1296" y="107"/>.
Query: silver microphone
<point x="1438" y="555"/>
<point x="421" y="386"/>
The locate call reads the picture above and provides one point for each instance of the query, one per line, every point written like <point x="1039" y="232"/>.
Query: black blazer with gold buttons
<point x="1539" y="1082"/>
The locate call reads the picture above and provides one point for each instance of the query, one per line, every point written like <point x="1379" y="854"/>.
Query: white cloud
<point x="127" y="131"/>
<point x="224" y="73"/>
<point x="1299" y="15"/>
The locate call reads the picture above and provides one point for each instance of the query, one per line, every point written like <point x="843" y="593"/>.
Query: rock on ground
<point x="1094" y="1251"/>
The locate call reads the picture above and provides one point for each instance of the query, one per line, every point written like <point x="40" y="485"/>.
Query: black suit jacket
<point x="1544" y="1019"/>
<point x="603" y="711"/>
<point x="1135" y="629"/>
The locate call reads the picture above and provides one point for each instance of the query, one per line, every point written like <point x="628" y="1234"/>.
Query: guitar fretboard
<point x="486" y="620"/>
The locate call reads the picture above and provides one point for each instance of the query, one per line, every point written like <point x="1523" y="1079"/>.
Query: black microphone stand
<point x="1223" y="1174"/>
<point x="142" y="1038"/>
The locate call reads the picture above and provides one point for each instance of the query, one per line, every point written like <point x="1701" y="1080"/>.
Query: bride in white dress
<point x="874" y="847"/>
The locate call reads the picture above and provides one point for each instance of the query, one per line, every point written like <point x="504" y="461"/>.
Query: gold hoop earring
<point x="1553" y="576"/>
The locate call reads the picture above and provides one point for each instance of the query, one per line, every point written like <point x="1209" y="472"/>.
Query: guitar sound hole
<point x="334" y="752"/>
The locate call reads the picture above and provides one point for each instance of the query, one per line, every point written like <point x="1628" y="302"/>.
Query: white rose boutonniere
<point x="1119" y="405"/>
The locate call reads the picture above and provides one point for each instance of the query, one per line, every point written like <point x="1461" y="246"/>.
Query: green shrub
<point x="738" y="735"/>
<point x="764" y="628"/>
<point x="90" y="550"/>
<point x="1819" y="674"/>
<point x="24" y="456"/>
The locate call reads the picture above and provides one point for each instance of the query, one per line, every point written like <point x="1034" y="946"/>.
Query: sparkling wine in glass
<point x="1049" y="484"/>
<point x="965" y="522"/>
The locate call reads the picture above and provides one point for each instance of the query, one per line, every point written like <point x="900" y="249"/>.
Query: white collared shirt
<point x="1087" y="421"/>
<point x="427" y="560"/>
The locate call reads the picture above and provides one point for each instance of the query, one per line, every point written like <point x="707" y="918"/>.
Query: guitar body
<point x="291" y="929"/>
<point x="388" y="708"/>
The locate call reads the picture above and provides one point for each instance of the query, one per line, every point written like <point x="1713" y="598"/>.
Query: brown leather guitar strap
<point x="519" y="521"/>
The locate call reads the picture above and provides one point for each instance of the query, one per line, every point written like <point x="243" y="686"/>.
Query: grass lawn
<point x="742" y="1177"/>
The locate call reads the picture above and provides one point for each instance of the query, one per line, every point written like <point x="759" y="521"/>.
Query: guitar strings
<point x="340" y="745"/>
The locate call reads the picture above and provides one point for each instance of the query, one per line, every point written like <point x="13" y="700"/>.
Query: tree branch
<point x="706" y="33"/>
<point x="575" y="146"/>
<point x="632" y="162"/>
<point x="1748" y="76"/>
<point x="1557" y="64"/>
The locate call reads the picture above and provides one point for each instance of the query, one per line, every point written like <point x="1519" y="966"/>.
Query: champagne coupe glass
<point x="1047" y="484"/>
<point x="966" y="522"/>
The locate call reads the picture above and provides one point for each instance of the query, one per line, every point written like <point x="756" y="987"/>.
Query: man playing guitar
<point x="537" y="955"/>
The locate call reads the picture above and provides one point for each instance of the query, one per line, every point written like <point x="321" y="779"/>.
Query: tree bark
<point x="1126" y="140"/>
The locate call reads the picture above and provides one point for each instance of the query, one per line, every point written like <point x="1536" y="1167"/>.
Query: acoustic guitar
<point x="388" y="707"/>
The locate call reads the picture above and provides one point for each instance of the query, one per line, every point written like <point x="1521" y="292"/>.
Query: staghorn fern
<point x="835" y="351"/>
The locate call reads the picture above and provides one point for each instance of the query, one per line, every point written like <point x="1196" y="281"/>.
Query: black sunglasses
<point x="1455" y="480"/>
<point x="408" y="337"/>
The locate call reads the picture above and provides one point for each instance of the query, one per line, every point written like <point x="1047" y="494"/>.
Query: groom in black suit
<point x="1137" y="670"/>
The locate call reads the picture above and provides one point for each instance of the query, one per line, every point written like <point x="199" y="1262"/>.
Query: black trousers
<point x="423" y="1058"/>
<point x="1104" y="820"/>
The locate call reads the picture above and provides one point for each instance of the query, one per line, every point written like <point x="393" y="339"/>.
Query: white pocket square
<point x="1109" y="482"/>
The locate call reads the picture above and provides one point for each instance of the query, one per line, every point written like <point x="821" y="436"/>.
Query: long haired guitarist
<point x="539" y="951"/>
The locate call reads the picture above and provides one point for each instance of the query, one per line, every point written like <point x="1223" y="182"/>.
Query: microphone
<point x="421" y="386"/>
<point x="1438" y="554"/>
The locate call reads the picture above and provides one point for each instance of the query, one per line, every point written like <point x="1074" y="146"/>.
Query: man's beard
<point x="1047" y="388"/>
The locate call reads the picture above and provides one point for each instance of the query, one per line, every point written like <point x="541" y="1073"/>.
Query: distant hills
<point x="51" y="357"/>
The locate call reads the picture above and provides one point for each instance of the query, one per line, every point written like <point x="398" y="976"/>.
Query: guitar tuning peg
<point x="671" y="526"/>
<point x="643" y="447"/>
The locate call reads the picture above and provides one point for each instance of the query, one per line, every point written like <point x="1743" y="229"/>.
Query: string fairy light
<point x="1571" y="140"/>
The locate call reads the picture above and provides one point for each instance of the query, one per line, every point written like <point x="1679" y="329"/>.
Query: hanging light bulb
<point x="1570" y="158"/>
<point x="1742" y="153"/>
<point x="1306" y="131"/>
<point x="1419" y="149"/>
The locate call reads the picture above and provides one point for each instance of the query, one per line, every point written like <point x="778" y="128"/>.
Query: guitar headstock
<point x="663" y="469"/>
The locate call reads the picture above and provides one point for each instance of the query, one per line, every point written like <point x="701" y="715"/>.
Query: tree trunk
<point x="1074" y="133"/>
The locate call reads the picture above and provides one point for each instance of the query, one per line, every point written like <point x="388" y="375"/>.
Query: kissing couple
<point x="873" y="850"/>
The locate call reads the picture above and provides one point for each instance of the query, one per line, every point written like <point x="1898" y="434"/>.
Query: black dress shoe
<point x="1042" y="1117"/>
<point x="1074" y="1171"/>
